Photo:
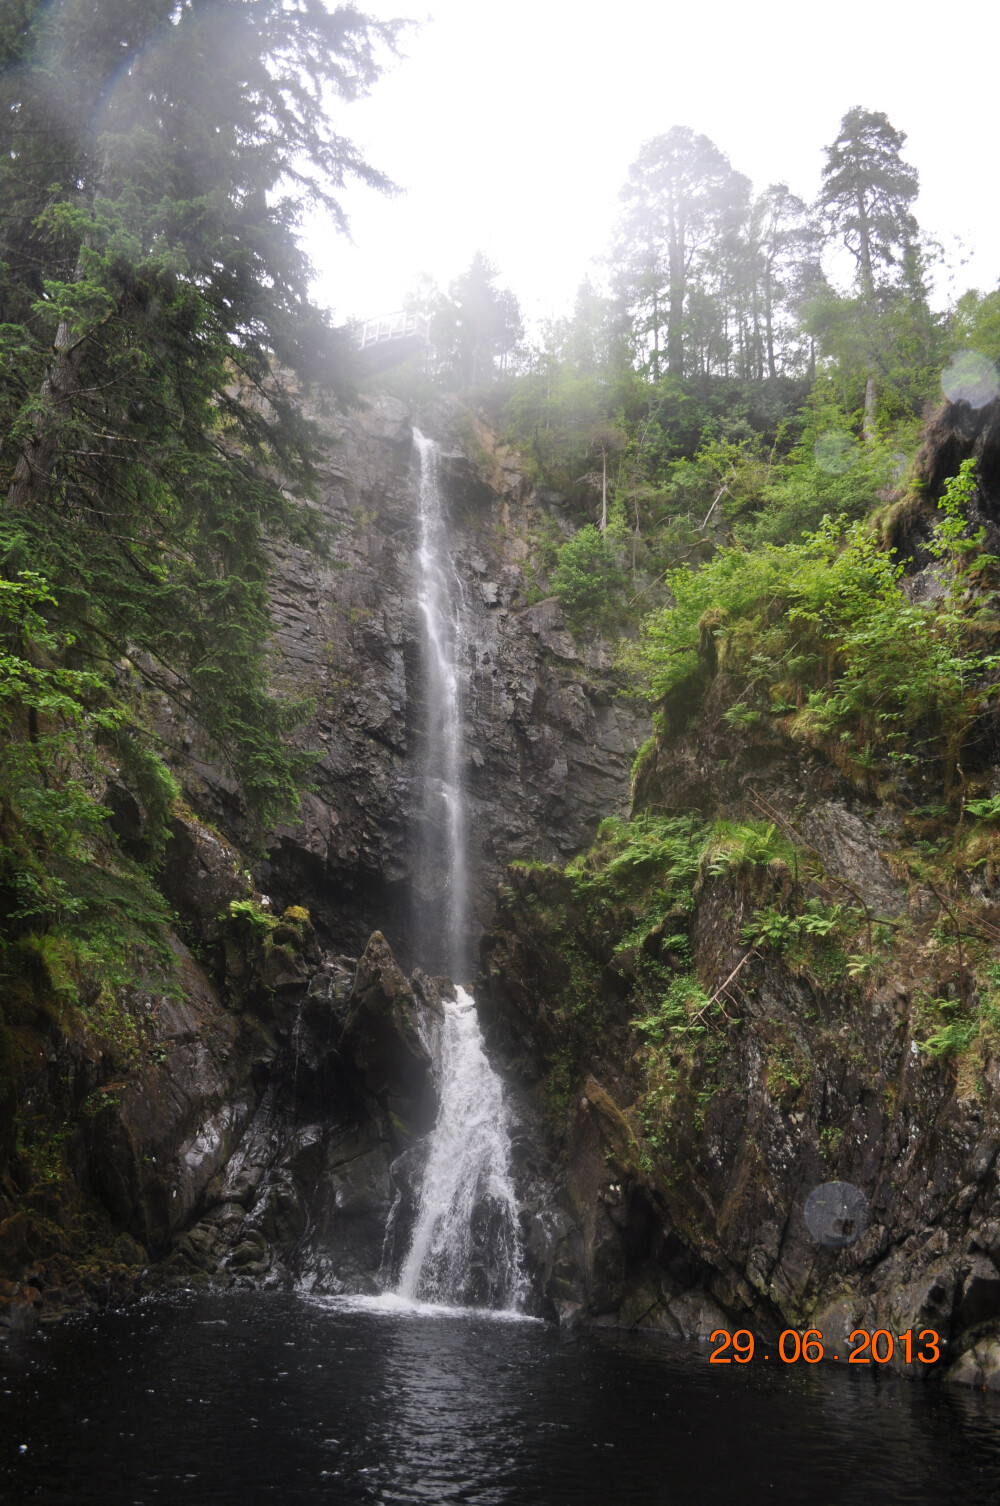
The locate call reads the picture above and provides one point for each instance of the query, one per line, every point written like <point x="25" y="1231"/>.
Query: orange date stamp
<point x="877" y="1347"/>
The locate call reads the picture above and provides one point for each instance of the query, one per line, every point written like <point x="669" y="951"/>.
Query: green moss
<point x="788" y="1074"/>
<point x="644" y="755"/>
<point x="296" y="915"/>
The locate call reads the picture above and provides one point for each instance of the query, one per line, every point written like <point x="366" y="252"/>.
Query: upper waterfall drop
<point x="439" y="592"/>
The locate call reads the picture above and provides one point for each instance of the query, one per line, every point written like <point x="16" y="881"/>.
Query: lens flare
<point x="836" y="1214"/>
<point x="835" y="451"/>
<point x="972" y="378"/>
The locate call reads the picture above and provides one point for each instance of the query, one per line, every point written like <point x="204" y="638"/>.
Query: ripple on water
<point x="248" y="1399"/>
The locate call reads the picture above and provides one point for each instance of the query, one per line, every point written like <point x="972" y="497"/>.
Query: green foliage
<point x="48" y="714"/>
<point x="740" y="847"/>
<point x="950" y="1039"/>
<point x="680" y="1012"/>
<point x="253" y="919"/>
<point x="561" y="419"/>
<point x="588" y="578"/>
<point x="644" y="753"/>
<point x="476" y="331"/>
<point x="823" y="627"/>
<point x="786" y="1074"/>
<point x="681" y="193"/>
<point x="144" y="771"/>
<point x="965" y="1031"/>
<point x="867" y="192"/>
<point x="151" y="288"/>
<point x="152" y="296"/>
<point x="826" y="473"/>
<point x="779" y="929"/>
<point x="975" y="323"/>
<point x="664" y="850"/>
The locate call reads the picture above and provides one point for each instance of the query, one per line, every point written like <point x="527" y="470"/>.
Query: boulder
<point x="382" y="1039"/>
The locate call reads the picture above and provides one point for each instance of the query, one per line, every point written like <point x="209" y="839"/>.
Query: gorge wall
<point x="684" y="1155"/>
<point x="262" y="1116"/>
<point x="276" y="1113"/>
<point x="549" y="738"/>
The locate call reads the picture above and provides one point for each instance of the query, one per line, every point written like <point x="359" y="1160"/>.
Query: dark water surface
<point x="231" y="1400"/>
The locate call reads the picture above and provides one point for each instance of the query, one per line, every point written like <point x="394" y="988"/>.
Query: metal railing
<point x="399" y="326"/>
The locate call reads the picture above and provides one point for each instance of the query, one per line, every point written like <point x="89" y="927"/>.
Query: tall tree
<point x="787" y="242"/>
<point x="155" y="159"/>
<point x="478" y="327"/>
<point x="677" y="193"/>
<point x="866" y="194"/>
<point x="866" y="197"/>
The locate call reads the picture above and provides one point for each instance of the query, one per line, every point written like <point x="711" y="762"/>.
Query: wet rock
<point x="836" y="1322"/>
<point x="696" y="1315"/>
<point x="353" y="1200"/>
<point x="979" y="1367"/>
<point x="202" y="874"/>
<point x="980" y="1294"/>
<point x="382" y="1038"/>
<point x="154" y="1152"/>
<point x="20" y="1306"/>
<point x="348" y="632"/>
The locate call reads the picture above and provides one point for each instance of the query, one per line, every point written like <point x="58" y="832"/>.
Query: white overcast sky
<point x="510" y="127"/>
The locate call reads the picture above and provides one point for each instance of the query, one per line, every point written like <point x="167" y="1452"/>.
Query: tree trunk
<point x="772" y="369"/>
<point x="675" y="310"/>
<point x="756" y="342"/>
<point x="865" y="249"/>
<point x="871" y="403"/>
<point x="33" y="471"/>
<point x="604" y="488"/>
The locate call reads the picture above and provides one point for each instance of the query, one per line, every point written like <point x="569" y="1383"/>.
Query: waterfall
<point x="438" y="597"/>
<point x="465" y="1245"/>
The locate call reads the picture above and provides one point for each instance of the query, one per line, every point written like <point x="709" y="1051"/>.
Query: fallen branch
<point x="723" y="986"/>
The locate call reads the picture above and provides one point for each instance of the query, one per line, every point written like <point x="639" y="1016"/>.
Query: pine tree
<point x="866" y="195"/>
<point x="478" y="327"/>
<point x="155" y="161"/>
<point x="675" y="200"/>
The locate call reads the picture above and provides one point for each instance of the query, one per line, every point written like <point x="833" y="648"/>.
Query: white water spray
<point x="465" y="1246"/>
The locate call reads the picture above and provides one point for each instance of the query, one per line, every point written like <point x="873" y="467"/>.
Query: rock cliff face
<point x="274" y="1118"/>
<point x="260" y="1119"/>
<point x="549" y="738"/>
<point x="802" y="1078"/>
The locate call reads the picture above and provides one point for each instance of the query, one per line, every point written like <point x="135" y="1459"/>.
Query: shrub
<point x="825" y="626"/>
<point x="588" y="578"/>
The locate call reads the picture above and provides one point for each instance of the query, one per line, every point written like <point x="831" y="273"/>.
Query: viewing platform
<point x="393" y="338"/>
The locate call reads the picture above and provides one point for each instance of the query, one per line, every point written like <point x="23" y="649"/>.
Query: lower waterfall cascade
<point x="465" y="1246"/>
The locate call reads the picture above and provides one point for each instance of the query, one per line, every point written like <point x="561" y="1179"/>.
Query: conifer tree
<point x="155" y="161"/>
<point x="678" y="192"/>
<point x="866" y="195"/>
